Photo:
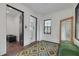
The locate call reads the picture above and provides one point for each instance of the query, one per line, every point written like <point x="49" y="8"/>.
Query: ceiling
<point x="47" y="8"/>
<point x="12" y="12"/>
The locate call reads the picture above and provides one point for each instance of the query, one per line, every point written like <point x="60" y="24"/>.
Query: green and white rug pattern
<point x="42" y="48"/>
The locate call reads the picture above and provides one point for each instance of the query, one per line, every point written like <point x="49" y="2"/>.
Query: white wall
<point x="3" y="23"/>
<point x="10" y="25"/>
<point x="13" y="26"/>
<point x="56" y="17"/>
<point x="2" y="29"/>
<point x="39" y="27"/>
<point x="27" y="13"/>
<point x="17" y="26"/>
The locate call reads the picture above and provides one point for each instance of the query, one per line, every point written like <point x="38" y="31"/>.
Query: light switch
<point x="25" y="27"/>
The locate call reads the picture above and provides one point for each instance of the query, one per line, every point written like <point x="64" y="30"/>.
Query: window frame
<point x="47" y="27"/>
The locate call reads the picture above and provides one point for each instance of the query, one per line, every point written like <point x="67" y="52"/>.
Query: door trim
<point x="69" y="18"/>
<point x="22" y="20"/>
<point x="76" y="22"/>
<point x="36" y="27"/>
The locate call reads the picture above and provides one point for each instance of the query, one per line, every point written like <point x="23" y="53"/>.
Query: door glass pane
<point x="47" y="26"/>
<point x="66" y="30"/>
<point x="32" y="28"/>
<point x="48" y="23"/>
<point x="77" y="24"/>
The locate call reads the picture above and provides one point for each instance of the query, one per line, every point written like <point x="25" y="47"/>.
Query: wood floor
<point x="13" y="48"/>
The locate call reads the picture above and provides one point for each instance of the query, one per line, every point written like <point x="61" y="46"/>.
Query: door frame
<point x="69" y="18"/>
<point x="22" y="21"/>
<point x="77" y="7"/>
<point x="35" y="26"/>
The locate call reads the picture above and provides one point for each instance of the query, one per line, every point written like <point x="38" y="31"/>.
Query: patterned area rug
<point x="42" y="48"/>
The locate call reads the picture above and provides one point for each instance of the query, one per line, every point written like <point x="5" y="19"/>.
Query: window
<point x="47" y="26"/>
